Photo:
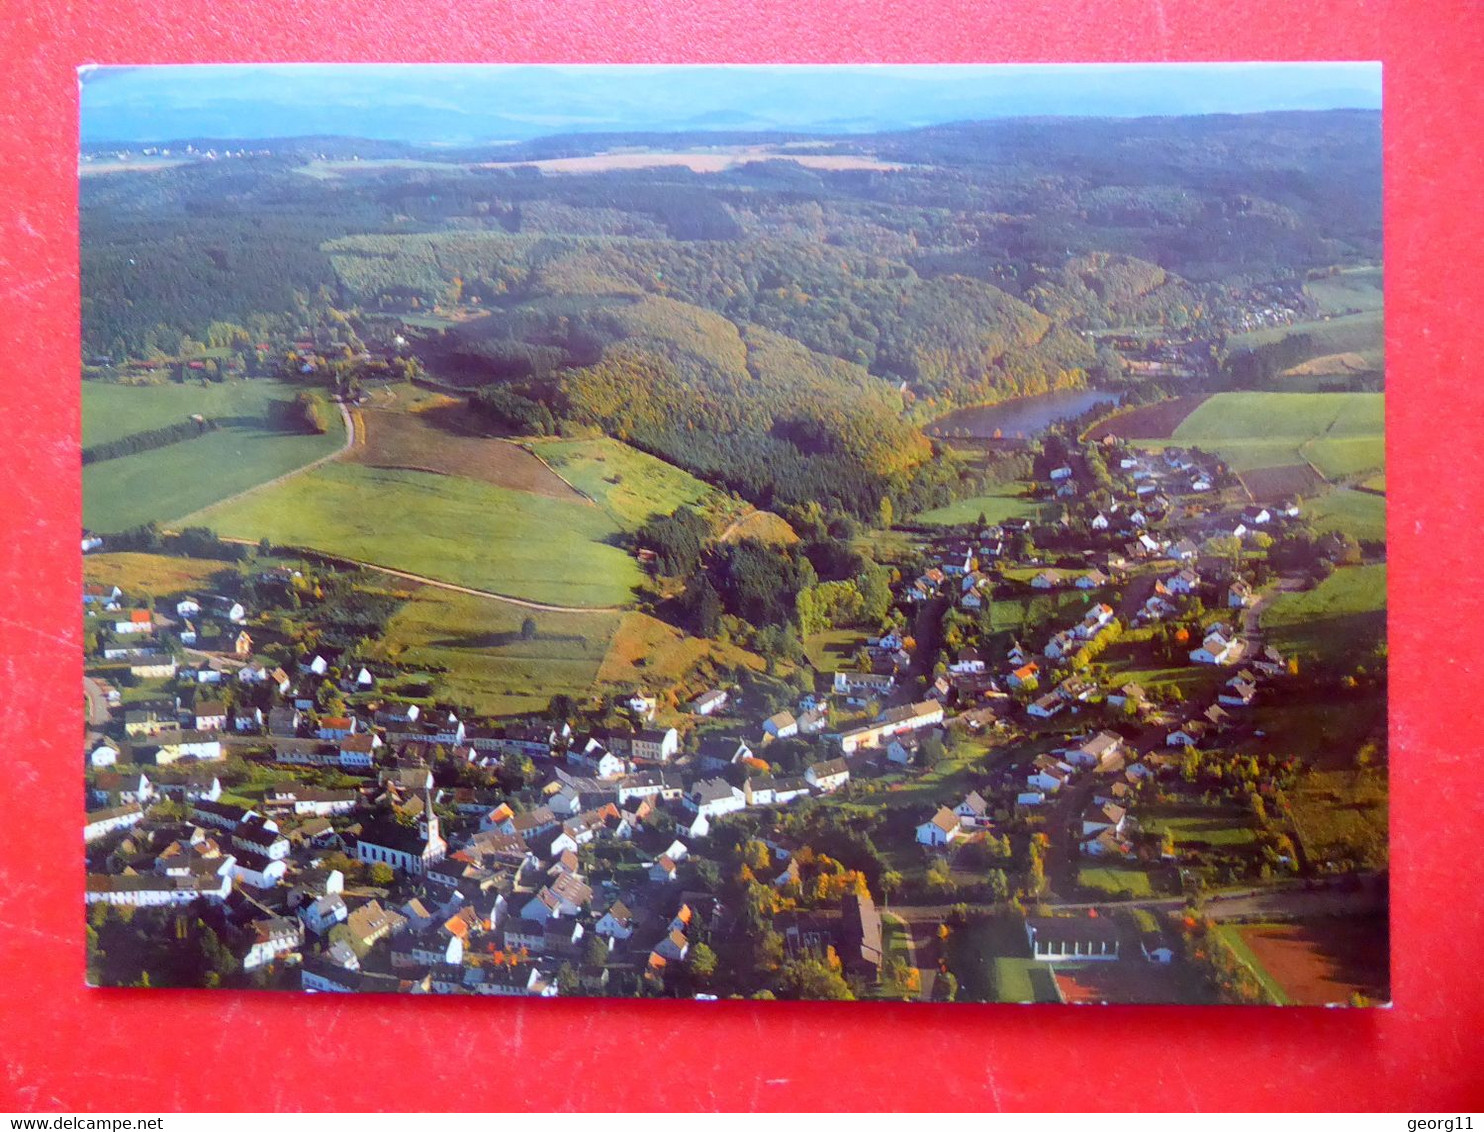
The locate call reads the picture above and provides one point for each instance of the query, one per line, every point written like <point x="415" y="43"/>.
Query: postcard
<point x="856" y="533"/>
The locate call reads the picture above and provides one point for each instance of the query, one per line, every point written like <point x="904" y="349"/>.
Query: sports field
<point x="445" y="527"/>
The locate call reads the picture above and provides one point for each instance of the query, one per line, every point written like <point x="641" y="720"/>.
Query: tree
<point x="528" y="629"/>
<point x="702" y="962"/>
<point x="566" y="980"/>
<point x="382" y="874"/>
<point x="595" y="951"/>
<point x="814" y="978"/>
<point x="886" y="514"/>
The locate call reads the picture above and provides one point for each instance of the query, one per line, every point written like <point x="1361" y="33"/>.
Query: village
<point x="295" y="827"/>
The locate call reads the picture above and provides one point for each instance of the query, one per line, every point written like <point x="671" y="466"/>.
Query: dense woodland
<point x="780" y="330"/>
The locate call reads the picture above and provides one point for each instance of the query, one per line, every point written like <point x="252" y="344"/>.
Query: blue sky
<point x="458" y="104"/>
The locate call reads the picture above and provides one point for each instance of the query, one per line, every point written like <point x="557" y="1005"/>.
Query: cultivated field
<point x="1322" y="961"/>
<point x="1362" y="331"/>
<point x="165" y="484"/>
<point x="488" y="666"/>
<point x="1286" y="481"/>
<point x="156" y="574"/>
<point x="1343" y="617"/>
<point x="631" y="485"/>
<point x="423" y="442"/>
<point x="1148" y="422"/>
<point x="1340" y="433"/>
<point x="446" y="527"/>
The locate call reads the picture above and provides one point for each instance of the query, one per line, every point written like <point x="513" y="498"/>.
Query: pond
<point x="1020" y="416"/>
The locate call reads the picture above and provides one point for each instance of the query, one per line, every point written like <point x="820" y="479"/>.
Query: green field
<point x="1007" y="502"/>
<point x="1343" y="617"/>
<point x="631" y="485"/>
<point x="1363" y="331"/>
<point x="446" y="527"/>
<point x="490" y="668"/>
<point x="1356" y="513"/>
<point x="1356" y="289"/>
<point x="991" y="959"/>
<point x="1116" y="880"/>
<point x="834" y="649"/>
<point x="165" y="484"/>
<point x="1340" y="433"/>
<point x="1195" y="823"/>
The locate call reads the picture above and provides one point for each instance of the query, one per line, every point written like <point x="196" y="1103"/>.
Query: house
<point x="1096" y="751"/>
<point x="1186" y="735"/>
<point x="655" y="745"/>
<point x="1238" y="594"/>
<point x="138" y="623"/>
<point x="708" y="703"/>
<point x="1099" y="522"/>
<point x="1092" y="580"/>
<point x="103" y="755"/>
<point x="861" y="948"/>
<point x="1024" y="674"/>
<point x="100" y="823"/>
<point x="941" y="829"/>
<point x="968" y="661"/>
<point x="104" y="595"/>
<point x="663" y="871"/>
<point x="1185" y="551"/>
<point x="718" y="751"/>
<point x="1047" y="580"/>
<point x="783" y="725"/>
<point x="815" y="720"/>
<point x="1237" y="693"/>
<point x="210" y="715"/>
<point x="617" y="923"/>
<point x="1256" y="516"/>
<point x="1030" y="798"/>
<point x="1047" y="706"/>
<point x="371" y="922"/>
<point x="641" y="704"/>
<point x="856" y="685"/>
<point x="1060" y="938"/>
<point x="1185" y="582"/>
<point x="828" y="776"/>
<point x="1218" y="648"/>
<point x="973" y="810"/>
<point x="146" y="890"/>
<point x="322" y="914"/>
<point x="712" y="797"/>
<point x="1063" y="644"/>
<point x="1094" y="621"/>
<point x="902" y="749"/>
<point x="1061" y="473"/>
<point x="269" y="938"/>
<point x="1048" y="774"/>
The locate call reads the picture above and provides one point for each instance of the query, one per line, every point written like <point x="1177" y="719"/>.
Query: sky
<point x="464" y="104"/>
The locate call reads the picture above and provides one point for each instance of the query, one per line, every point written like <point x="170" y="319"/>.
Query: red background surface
<point x="66" y="1048"/>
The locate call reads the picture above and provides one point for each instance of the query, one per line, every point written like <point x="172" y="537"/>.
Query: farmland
<point x="165" y="484"/>
<point x="1282" y="482"/>
<point x="1007" y="502"/>
<point x="1195" y="825"/>
<point x="423" y="441"/>
<point x="1148" y="422"/>
<point x="1362" y="331"/>
<point x="629" y="484"/>
<point x="445" y="527"/>
<point x="488" y="666"/>
<point x="1340" y="433"/>
<point x="1342" y="617"/>
<point x="1318" y="961"/>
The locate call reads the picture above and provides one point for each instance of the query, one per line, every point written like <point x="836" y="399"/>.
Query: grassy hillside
<point x="156" y="574"/>
<point x="1356" y="513"/>
<point x="629" y="484"/>
<point x="165" y="484"/>
<point x="487" y="665"/>
<point x="445" y="527"/>
<point x="1342" y="618"/>
<point x="1355" y="290"/>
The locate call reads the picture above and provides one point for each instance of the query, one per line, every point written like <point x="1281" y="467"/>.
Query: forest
<point x="781" y="330"/>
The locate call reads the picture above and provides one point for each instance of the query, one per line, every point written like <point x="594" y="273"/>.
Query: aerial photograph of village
<point x="853" y="533"/>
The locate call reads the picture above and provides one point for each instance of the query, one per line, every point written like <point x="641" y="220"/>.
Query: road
<point x="98" y="712"/>
<point x="1341" y="896"/>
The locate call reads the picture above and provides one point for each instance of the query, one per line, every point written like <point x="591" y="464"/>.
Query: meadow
<point x="1007" y="502"/>
<point x="1361" y="331"/>
<point x="1340" y="433"/>
<point x="1357" y="513"/>
<point x="1354" y="290"/>
<point x="153" y="574"/>
<point x="445" y="527"/>
<point x="488" y="666"/>
<point x="1343" y="618"/>
<point x="166" y="484"/>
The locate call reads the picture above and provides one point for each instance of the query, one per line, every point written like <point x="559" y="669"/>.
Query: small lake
<point x="1020" y="416"/>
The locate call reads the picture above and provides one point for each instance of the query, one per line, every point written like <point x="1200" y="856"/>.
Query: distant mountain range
<point x="463" y="105"/>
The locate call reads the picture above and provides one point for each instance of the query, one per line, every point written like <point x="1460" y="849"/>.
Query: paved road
<point x="98" y="712"/>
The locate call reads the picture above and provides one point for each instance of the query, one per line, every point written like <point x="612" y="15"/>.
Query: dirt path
<point x="506" y="598"/>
